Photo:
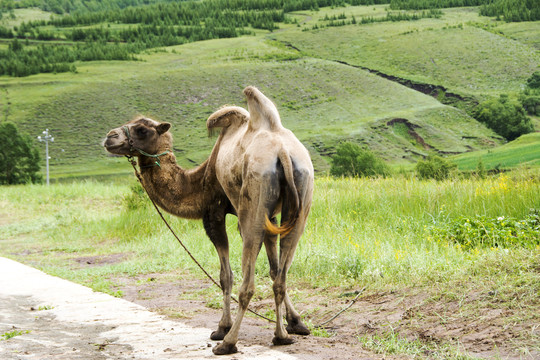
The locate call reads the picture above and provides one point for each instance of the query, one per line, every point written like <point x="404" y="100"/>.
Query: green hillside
<point x="523" y="151"/>
<point x="454" y="51"/>
<point x="322" y="102"/>
<point x="317" y="78"/>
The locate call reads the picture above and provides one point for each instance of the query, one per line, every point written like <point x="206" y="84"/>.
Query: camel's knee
<point x="279" y="288"/>
<point x="226" y="280"/>
<point x="245" y="295"/>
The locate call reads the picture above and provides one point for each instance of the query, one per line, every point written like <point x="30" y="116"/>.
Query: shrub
<point x="352" y="160"/>
<point x="19" y="159"/>
<point x="531" y="104"/>
<point x="480" y="169"/>
<point x="481" y="231"/>
<point x="136" y="199"/>
<point x="434" y="167"/>
<point x="504" y="116"/>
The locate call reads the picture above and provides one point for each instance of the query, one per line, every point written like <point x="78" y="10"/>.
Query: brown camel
<point x="256" y="170"/>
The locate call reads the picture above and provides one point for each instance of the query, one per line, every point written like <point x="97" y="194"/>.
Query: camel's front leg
<point x="214" y="225"/>
<point x="249" y="255"/>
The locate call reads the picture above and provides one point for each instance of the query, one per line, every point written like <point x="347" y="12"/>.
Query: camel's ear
<point x="163" y="128"/>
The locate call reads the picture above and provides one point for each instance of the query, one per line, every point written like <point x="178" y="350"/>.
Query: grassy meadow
<point x="377" y="232"/>
<point x="523" y="151"/>
<point x="454" y="51"/>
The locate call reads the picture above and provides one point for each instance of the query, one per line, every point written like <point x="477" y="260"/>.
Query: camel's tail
<point x="293" y="198"/>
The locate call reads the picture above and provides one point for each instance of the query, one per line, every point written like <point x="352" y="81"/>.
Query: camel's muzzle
<point x="113" y="141"/>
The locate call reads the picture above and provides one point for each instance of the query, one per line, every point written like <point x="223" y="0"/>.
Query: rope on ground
<point x="359" y="292"/>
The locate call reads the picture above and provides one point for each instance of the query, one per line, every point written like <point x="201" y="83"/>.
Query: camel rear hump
<point x="263" y="112"/>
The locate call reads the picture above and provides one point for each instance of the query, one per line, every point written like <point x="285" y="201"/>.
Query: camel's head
<point x="139" y="134"/>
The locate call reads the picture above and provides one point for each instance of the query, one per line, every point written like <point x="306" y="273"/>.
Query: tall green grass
<point x="360" y="231"/>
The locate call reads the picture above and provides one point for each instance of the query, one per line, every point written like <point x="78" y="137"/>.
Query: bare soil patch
<point x="415" y="316"/>
<point x="101" y="260"/>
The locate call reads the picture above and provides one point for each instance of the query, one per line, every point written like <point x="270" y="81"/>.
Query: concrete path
<point x="57" y="319"/>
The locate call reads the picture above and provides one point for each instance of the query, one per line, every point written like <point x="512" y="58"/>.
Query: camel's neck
<point x="175" y="190"/>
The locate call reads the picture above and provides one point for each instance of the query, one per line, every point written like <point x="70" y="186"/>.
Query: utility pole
<point x="46" y="138"/>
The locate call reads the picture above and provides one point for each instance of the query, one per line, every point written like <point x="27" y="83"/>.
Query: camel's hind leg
<point x="294" y="321"/>
<point x="287" y="248"/>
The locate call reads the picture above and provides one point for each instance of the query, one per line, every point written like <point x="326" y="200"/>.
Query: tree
<point x="352" y="160"/>
<point x="504" y="116"/>
<point x="534" y="81"/>
<point x="19" y="159"/>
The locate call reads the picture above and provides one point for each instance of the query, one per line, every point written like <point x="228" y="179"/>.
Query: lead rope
<point x="137" y="173"/>
<point x="134" y="164"/>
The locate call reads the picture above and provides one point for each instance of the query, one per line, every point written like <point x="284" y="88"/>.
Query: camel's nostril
<point x="112" y="135"/>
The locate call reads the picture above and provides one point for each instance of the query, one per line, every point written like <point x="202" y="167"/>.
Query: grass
<point x="11" y="334"/>
<point x="378" y="232"/>
<point x="181" y="95"/>
<point x="524" y="32"/>
<point x="430" y="51"/>
<point x="24" y="15"/>
<point x="391" y="343"/>
<point x="523" y="151"/>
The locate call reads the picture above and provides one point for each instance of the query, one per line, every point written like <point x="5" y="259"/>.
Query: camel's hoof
<point x="224" y="349"/>
<point x="278" y="341"/>
<point x="220" y="333"/>
<point x="298" y="328"/>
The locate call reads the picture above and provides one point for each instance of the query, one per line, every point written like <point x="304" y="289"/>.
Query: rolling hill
<point x="321" y="80"/>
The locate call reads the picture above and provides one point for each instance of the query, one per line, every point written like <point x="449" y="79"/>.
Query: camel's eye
<point x="141" y="131"/>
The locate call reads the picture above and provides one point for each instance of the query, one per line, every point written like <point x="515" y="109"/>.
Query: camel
<point x="256" y="170"/>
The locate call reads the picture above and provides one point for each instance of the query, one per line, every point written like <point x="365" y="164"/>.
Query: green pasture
<point x="524" y="151"/>
<point x="323" y="102"/>
<point x="24" y="15"/>
<point x="527" y="32"/>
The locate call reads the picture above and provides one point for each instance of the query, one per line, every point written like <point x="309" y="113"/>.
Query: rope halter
<point x="142" y="152"/>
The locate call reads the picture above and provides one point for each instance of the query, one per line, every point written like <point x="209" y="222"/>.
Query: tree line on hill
<point x="512" y="10"/>
<point x="156" y="24"/>
<point x="508" y="10"/>
<point x="86" y="33"/>
<point x="340" y="20"/>
<point x="432" y="4"/>
<point x="22" y="60"/>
